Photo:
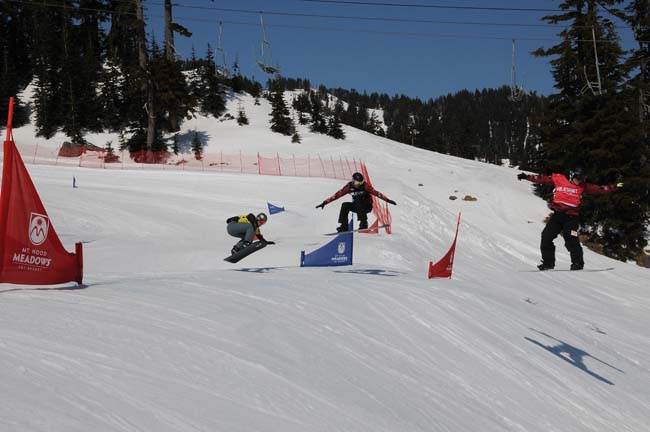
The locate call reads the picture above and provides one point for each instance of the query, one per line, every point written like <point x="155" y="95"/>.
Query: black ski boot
<point x="363" y="225"/>
<point x="575" y="266"/>
<point x="544" y="266"/>
<point x="239" y="246"/>
<point x="342" y="228"/>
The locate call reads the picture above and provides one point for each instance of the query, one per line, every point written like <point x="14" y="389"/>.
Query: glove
<point x="270" y="242"/>
<point x="522" y="176"/>
<point x="391" y="202"/>
<point x="619" y="185"/>
<point x="321" y="205"/>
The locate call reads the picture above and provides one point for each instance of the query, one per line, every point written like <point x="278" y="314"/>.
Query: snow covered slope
<point x="165" y="336"/>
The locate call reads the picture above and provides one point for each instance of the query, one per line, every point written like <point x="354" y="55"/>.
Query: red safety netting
<point x="303" y="166"/>
<point x="380" y="210"/>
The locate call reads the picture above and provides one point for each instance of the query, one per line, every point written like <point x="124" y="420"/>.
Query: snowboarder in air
<point x="361" y="201"/>
<point x="565" y="205"/>
<point x="246" y="228"/>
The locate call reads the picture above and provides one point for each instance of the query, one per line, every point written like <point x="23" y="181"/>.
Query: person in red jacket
<point x="361" y="201"/>
<point x="565" y="205"/>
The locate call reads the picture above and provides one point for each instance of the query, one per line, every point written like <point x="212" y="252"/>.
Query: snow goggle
<point x="357" y="183"/>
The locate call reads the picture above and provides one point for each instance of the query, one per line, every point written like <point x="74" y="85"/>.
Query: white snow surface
<point x="166" y="336"/>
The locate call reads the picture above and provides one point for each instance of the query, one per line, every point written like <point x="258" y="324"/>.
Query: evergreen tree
<point x="172" y="98"/>
<point x="295" y="138"/>
<point x="112" y="97"/>
<point x="47" y="67"/>
<point x="302" y="106"/>
<point x="597" y="129"/>
<point x="16" y="66"/>
<point x="211" y="94"/>
<point x="241" y="116"/>
<point x="197" y="146"/>
<point x="175" y="144"/>
<point x="280" y="120"/>
<point x="334" y="128"/>
<point x="318" y="123"/>
<point x="109" y="153"/>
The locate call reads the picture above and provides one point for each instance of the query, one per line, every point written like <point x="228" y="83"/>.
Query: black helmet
<point x="577" y="173"/>
<point x="261" y="217"/>
<point x="357" y="177"/>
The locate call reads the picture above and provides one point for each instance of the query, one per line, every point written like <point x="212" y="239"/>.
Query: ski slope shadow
<point x="261" y="269"/>
<point x="375" y="272"/>
<point x="572" y="355"/>
<point x="64" y="288"/>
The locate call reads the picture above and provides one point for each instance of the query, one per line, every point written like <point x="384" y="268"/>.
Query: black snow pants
<point x="361" y="208"/>
<point x="245" y="231"/>
<point x="567" y="225"/>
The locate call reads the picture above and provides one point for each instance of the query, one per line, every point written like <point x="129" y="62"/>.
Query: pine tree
<point x="48" y="79"/>
<point x="280" y="120"/>
<point x="197" y="146"/>
<point x="597" y="129"/>
<point x="112" y="97"/>
<point x="109" y="153"/>
<point x="175" y="144"/>
<point x="295" y="138"/>
<point x="211" y="94"/>
<point x="241" y="116"/>
<point x="123" y="80"/>
<point x="172" y="99"/>
<point x="318" y="123"/>
<point x="334" y="128"/>
<point x="15" y="58"/>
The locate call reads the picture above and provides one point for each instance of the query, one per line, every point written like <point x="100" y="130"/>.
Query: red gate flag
<point x="31" y="252"/>
<point x="443" y="268"/>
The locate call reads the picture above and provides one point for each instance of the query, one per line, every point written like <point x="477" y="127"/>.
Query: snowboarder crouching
<point x="361" y="201"/>
<point x="565" y="205"/>
<point x="246" y="228"/>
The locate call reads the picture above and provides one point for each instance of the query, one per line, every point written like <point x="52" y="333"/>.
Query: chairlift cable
<point x="345" y="17"/>
<point x="334" y="29"/>
<point x="425" y="6"/>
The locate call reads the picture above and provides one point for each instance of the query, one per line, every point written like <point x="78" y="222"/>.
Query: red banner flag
<point x="31" y="252"/>
<point x="443" y="268"/>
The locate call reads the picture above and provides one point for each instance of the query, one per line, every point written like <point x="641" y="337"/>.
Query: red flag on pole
<point x="443" y="268"/>
<point x="31" y="252"/>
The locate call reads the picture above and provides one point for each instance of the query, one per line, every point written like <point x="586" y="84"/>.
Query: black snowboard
<point x="238" y="256"/>
<point x="358" y="230"/>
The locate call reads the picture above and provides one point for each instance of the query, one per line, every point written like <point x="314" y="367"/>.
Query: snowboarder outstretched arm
<point x="539" y="179"/>
<point x="594" y="189"/>
<point x="341" y="192"/>
<point x="379" y="195"/>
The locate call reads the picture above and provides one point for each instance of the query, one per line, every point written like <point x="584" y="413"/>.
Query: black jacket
<point x="251" y="219"/>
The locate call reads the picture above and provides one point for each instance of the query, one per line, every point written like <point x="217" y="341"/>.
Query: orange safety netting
<point x="303" y="166"/>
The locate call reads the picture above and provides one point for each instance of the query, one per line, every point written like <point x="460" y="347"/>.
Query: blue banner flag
<point x="338" y="252"/>
<point x="274" y="209"/>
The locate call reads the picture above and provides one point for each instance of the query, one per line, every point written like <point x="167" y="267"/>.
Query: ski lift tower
<point x="266" y="47"/>
<point x="594" y="86"/>
<point x="222" y="53"/>
<point x="516" y="92"/>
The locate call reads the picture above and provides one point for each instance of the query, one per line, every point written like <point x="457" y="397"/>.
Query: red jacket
<point x="566" y="195"/>
<point x="361" y="193"/>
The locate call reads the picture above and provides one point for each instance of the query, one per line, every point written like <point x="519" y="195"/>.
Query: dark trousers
<point x="244" y="231"/>
<point x="567" y="225"/>
<point x="358" y="207"/>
